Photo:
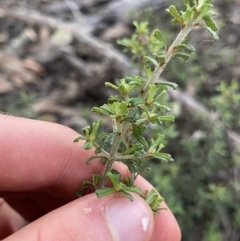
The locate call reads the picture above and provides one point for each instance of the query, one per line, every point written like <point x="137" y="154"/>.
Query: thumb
<point x="111" y="218"/>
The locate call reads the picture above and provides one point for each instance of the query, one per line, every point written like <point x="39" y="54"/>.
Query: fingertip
<point x="113" y="217"/>
<point x="166" y="226"/>
<point x="130" y="220"/>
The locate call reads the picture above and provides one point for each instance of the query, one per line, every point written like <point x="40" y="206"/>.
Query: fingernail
<point x="128" y="221"/>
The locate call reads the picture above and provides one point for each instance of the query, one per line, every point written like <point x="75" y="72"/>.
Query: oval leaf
<point x="210" y="23"/>
<point x="150" y="60"/>
<point x="174" y="12"/>
<point x="104" y="192"/>
<point x="159" y="36"/>
<point x="167" y="118"/>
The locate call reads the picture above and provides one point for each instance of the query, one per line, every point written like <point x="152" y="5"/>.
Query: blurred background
<point x="55" y="56"/>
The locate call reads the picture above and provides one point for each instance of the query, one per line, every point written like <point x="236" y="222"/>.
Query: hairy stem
<point x="113" y="154"/>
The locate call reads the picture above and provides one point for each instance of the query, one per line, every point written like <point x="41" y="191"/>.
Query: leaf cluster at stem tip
<point x="139" y="103"/>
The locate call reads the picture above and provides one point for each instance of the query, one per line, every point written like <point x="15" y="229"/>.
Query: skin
<point x="41" y="169"/>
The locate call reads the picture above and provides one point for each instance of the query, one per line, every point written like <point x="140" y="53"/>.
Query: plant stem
<point x="113" y="154"/>
<point x="168" y="56"/>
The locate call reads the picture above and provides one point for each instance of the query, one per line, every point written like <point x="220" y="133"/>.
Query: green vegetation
<point x="141" y="103"/>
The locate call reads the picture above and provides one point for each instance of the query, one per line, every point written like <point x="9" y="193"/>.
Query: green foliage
<point x="140" y="104"/>
<point x="227" y="103"/>
<point x="212" y="233"/>
<point x="139" y="42"/>
<point x="201" y="187"/>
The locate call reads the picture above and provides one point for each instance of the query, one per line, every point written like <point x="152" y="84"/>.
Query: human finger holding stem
<point x="41" y="169"/>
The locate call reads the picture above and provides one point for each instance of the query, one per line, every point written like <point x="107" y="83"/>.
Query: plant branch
<point x="113" y="154"/>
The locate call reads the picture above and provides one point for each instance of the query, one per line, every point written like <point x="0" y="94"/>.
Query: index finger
<point x="36" y="155"/>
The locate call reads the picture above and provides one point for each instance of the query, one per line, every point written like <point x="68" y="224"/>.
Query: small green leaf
<point x="154" y="118"/>
<point x="212" y="33"/>
<point x="151" y="94"/>
<point x="114" y="176"/>
<point x="155" y="144"/>
<point x="175" y="14"/>
<point x="133" y="189"/>
<point x="187" y="16"/>
<point x="153" y="199"/>
<point x="159" y="36"/>
<point x="90" y="159"/>
<point x="127" y="181"/>
<point x="150" y="60"/>
<point x="95" y="129"/>
<point x="211" y="14"/>
<point x="132" y="165"/>
<point x="86" y="131"/>
<point x="124" y="42"/>
<point x="161" y="95"/>
<point x="163" y="155"/>
<point x="182" y="55"/>
<point x="132" y="149"/>
<point x="159" y="158"/>
<point x="140" y="79"/>
<point x="210" y="23"/>
<point x="99" y="110"/>
<point x="132" y="116"/>
<point x="167" y="118"/>
<point x="146" y="169"/>
<point x="148" y="71"/>
<point x="150" y="196"/>
<point x="106" y="108"/>
<point x="93" y="157"/>
<point x="159" y="106"/>
<point x="86" y="189"/>
<point x="123" y="90"/>
<point x="187" y="47"/>
<point x="129" y="79"/>
<point x="109" y="139"/>
<point x="120" y="109"/>
<point x="137" y="132"/>
<point x="175" y="21"/>
<point x="135" y="83"/>
<point x="136" y="101"/>
<point x="171" y="84"/>
<point x="123" y="108"/>
<point x="87" y="145"/>
<point x="79" y="138"/>
<point x="95" y="179"/>
<point x="127" y="195"/>
<point x="187" y="3"/>
<point x="142" y="140"/>
<point x="107" y="84"/>
<point x="160" y="58"/>
<point x="204" y="9"/>
<point x="135" y="24"/>
<point x="104" y="192"/>
<point x="160" y="147"/>
<point x="113" y="98"/>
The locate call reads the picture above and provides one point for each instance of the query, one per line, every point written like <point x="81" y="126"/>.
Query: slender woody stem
<point x="113" y="154"/>
<point x="168" y="56"/>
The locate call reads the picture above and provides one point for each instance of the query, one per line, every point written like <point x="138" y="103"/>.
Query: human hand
<point x="41" y="169"/>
